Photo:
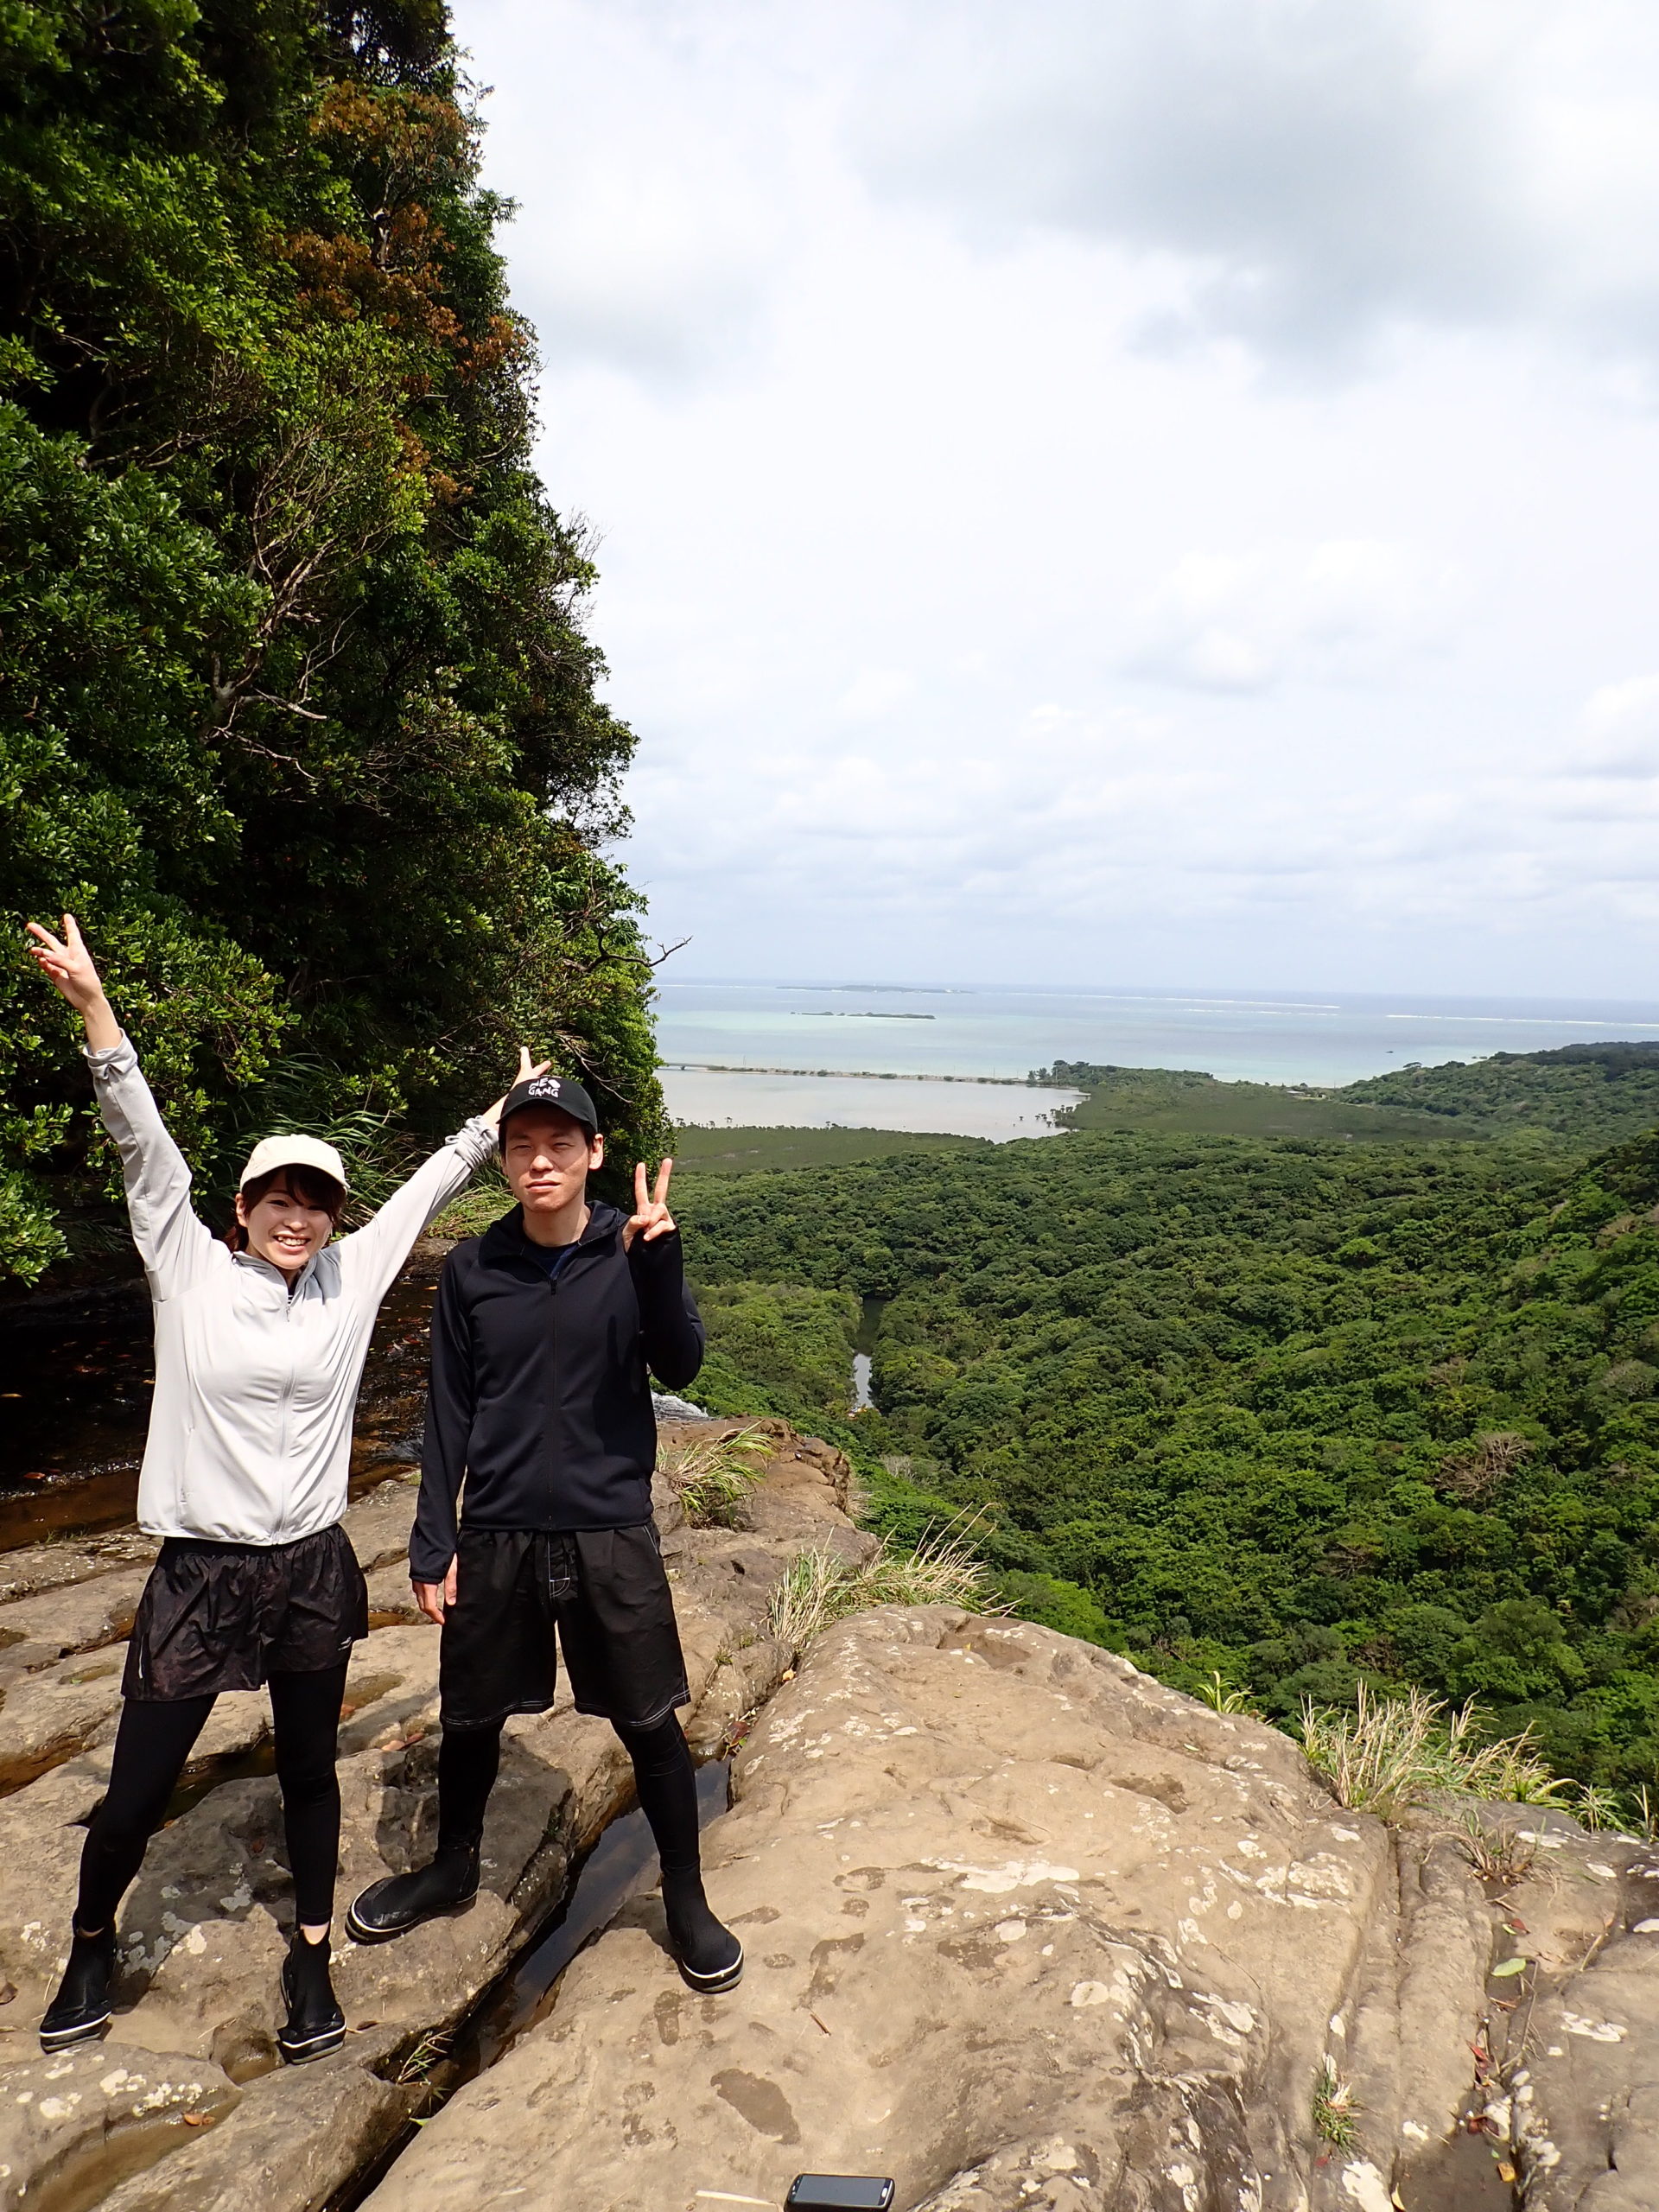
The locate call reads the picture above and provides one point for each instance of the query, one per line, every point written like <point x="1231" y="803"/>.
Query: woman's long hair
<point x="309" y="1186"/>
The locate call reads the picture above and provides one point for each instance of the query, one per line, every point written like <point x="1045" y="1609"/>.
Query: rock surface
<point x="1023" y="1928"/>
<point x="204" y="1929"/>
<point x="71" y="2119"/>
<point x="1575" y="2086"/>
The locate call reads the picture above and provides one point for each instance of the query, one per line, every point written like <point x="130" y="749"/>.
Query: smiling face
<point x="289" y="1215"/>
<point x="547" y="1157"/>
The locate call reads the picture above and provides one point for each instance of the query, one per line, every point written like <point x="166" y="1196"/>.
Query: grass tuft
<point x="819" y="1588"/>
<point x="713" y="1475"/>
<point x="1391" y="1753"/>
<point x="1216" y="1693"/>
<point x="1497" y="1855"/>
<point x="431" y="2051"/>
<point x="1336" y="2110"/>
<point x="1598" y="1807"/>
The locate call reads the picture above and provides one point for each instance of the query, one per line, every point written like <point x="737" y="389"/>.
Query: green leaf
<point x="1510" y="1966"/>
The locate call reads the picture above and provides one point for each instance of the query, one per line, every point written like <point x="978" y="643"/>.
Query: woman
<point x="259" y="1345"/>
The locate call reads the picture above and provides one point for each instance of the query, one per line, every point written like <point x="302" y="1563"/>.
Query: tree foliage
<point x="297" y="710"/>
<point x="1583" y="1094"/>
<point x="1590" y="1094"/>
<point x="1307" y="1415"/>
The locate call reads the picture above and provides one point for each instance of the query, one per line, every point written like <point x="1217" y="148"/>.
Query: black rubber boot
<point x="404" y="1901"/>
<point x="316" y="2025"/>
<point x="81" y="2008"/>
<point x="709" y="1957"/>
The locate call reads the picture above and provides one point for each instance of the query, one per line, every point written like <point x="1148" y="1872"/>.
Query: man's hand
<point x="651" y="1218"/>
<point x="526" y="1074"/>
<point x="434" y="1598"/>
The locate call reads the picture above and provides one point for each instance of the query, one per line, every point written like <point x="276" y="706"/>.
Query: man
<point x="542" y="1335"/>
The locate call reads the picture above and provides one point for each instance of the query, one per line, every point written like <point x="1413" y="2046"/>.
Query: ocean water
<point x="781" y="1054"/>
<point x="997" y="1111"/>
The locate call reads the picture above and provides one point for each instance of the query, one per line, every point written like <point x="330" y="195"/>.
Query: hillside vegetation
<point x="1592" y="1095"/>
<point x="1304" y="1413"/>
<point x="705" y="1151"/>
<point x="1587" y="1094"/>
<point x="1180" y="1102"/>
<point x="298" y="711"/>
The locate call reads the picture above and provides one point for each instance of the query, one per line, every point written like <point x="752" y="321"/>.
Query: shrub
<point x="1391" y="1752"/>
<point x="714" y="1474"/>
<point x="821" y="1587"/>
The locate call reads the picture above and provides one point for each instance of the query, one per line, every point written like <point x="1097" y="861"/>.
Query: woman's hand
<point x="68" y="966"/>
<point x="526" y="1074"/>
<point x="651" y="1218"/>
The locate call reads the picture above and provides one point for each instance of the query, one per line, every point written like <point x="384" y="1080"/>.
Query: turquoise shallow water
<point x="852" y="1031"/>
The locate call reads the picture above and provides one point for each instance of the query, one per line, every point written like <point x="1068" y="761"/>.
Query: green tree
<point x="298" y="710"/>
<point x="1151" y="1368"/>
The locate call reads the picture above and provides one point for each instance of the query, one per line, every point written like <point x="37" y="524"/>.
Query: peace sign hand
<point x="526" y="1073"/>
<point x="651" y="1218"/>
<point x="67" y="963"/>
<point x="69" y="967"/>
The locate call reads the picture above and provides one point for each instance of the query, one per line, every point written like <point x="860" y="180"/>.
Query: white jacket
<point x="250" y="1426"/>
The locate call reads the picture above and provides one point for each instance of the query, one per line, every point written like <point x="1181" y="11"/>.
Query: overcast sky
<point x="1112" y="491"/>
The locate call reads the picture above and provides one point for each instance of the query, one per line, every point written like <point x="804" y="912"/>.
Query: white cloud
<point x="1140" y="493"/>
<point x="1351" y="610"/>
<point x="650" y="225"/>
<point x="1618" y="731"/>
<point x="875" y="692"/>
<point x="1326" y="170"/>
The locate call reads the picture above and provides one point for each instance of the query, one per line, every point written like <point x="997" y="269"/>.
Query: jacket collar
<point x="266" y="1273"/>
<point x="506" y="1239"/>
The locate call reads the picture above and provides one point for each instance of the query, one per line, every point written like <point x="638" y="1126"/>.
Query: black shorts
<point x="608" y="1591"/>
<point x="224" y="1617"/>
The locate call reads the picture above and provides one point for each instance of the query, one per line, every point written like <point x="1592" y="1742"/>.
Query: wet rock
<point x="54" y="1624"/>
<point x="392" y="1601"/>
<point x="60" y="1671"/>
<point x="75" y="1705"/>
<point x="50" y="1715"/>
<point x="380" y="1522"/>
<point x="285" y="2145"/>
<point x="35" y="1567"/>
<point x="74" y="2121"/>
<point x="203" y="1931"/>
<point x="1023" y="1928"/>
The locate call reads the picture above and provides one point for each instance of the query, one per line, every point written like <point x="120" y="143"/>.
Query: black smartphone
<point x="839" y="2193"/>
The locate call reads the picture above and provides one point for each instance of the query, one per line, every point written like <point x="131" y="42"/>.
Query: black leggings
<point x="151" y="1745"/>
<point x="667" y="1783"/>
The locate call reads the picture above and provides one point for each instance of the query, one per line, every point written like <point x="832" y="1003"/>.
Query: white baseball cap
<point x="295" y="1152"/>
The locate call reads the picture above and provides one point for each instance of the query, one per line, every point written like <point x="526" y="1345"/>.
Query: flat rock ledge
<point x="187" y="2106"/>
<point x="1024" y="1929"/>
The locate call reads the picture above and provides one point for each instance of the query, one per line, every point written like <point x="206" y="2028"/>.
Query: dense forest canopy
<point x="1584" y="1094"/>
<point x="1590" y="1094"/>
<point x="1306" y="1413"/>
<point x="298" y="711"/>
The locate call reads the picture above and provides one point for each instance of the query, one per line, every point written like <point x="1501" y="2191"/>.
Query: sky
<point x="1136" y="492"/>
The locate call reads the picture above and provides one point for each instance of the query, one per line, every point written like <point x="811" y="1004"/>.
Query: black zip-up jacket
<point x="539" y="1395"/>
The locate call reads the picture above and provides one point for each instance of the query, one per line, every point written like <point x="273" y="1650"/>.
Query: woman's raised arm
<point x="172" y="1244"/>
<point x="372" y="1255"/>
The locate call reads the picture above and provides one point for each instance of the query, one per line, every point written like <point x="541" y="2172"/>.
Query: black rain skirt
<point x="224" y="1617"/>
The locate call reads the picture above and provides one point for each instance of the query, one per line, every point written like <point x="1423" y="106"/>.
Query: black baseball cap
<point x="555" y="1090"/>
